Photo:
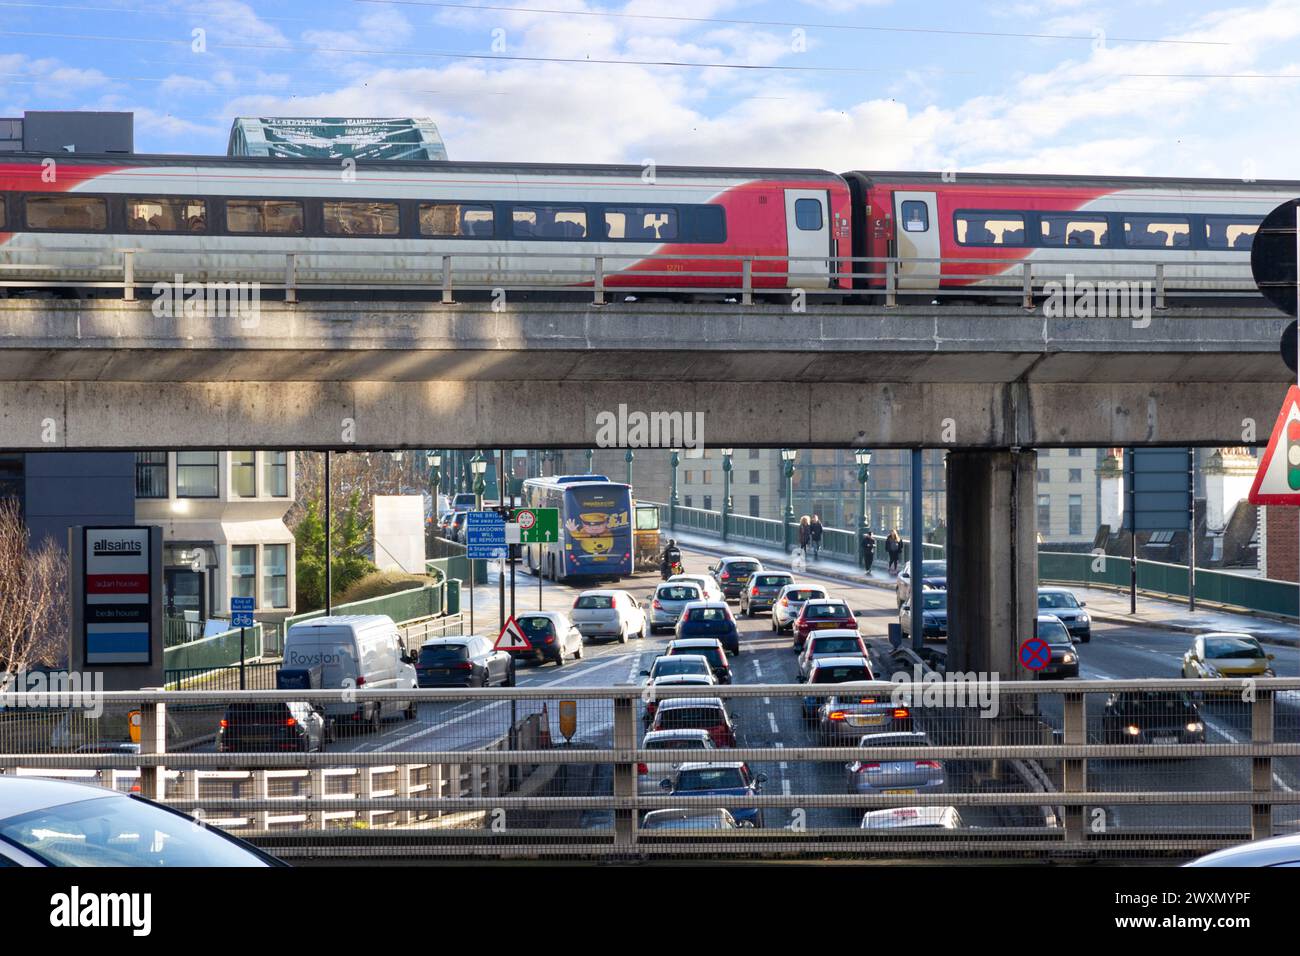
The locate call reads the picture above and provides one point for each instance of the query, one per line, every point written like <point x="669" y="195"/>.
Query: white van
<point x="355" y="650"/>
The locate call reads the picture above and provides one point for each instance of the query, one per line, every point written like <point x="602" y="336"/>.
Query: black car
<point x="1064" y="660"/>
<point x="732" y="574"/>
<point x="463" y="662"/>
<point x="1152" y="717"/>
<point x="763" y="590"/>
<point x="934" y="616"/>
<point x="257" y="727"/>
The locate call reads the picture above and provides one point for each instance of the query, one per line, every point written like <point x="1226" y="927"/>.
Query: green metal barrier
<point x="219" y="650"/>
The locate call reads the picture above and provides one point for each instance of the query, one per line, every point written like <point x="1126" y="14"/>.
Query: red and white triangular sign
<point x="512" y="637"/>
<point x="1277" y="480"/>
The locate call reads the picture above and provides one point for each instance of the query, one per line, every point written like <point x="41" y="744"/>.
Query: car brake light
<point x="867" y="700"/>
<point x="657" y="606"/>
<point x="290" y="722"/>
<point x="466" y="666"/>
<point x="642" y="768"/>
<point x="785" y="601"/>
<point x="360" y="681"/>
<point x="754" y="591"/>
<point x="901" y="713"/>
<point x="836" y="715"/>
<point x="724" y="575"/>
<point x="550" y="640"/>
<point x="224" y="723"/>
<point x="575" y="602"/>
<point x="927" y="765"/>
<point x="868" y="766"/>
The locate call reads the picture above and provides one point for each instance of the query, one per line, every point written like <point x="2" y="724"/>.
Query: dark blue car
<point x="730" y="779"/>
<point x="710" y="619"/>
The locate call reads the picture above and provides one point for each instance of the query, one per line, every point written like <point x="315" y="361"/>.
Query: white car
<point x="790" y="602"/>
<point x="709" y="590"/>
<point x="649" y="774"/>
<point x="610" y="614"/>
<point x="913" y="818"/>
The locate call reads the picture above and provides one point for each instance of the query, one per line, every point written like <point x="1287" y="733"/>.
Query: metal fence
<point x="1071" y="770"/>
<point x="600" y="276"/>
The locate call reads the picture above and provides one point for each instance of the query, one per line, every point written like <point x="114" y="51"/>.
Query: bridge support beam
<point x="992" y="559"/>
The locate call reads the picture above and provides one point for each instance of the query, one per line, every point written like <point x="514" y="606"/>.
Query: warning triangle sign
<point x="1277" y="480"/>
<point x="512" y="637"/>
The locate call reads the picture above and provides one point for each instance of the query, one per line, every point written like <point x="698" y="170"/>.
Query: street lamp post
<point x="726" y="489"/>
<point x="628" y="458"/>
<point x="591" y="453"/>
<point x="788" y="456"/>
<point x="478" y="466"/>
<point x="863" y="457"/>
<point x="674" y="460"/>
<point x="435" y="476"/>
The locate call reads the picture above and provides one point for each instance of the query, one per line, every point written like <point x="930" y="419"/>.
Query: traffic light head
<point x="1293" y="454"/>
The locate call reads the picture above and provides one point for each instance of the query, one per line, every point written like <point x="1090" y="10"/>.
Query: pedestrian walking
<point x="867" y="549"/>
<point x="805" y="533"/>
<point x="816" y="530"/>
<point x="894" y="549"/>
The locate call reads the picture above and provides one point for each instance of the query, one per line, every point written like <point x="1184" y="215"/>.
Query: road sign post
<point x="241" y="616"/>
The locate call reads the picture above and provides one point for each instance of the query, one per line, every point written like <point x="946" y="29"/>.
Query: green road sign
<point x="537" y="525"/>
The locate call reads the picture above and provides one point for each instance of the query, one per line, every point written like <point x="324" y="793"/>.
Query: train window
<point x="656" y="224"/>
<point x="166" y="214"/>
<point x="1230" y="232"/>
<point x="808" y="214"/>
<point x="704" y="224"/>
<point x="359" y="218"/>
<point x="915" y="216"/>
<point x="79" y="213"/>
<point x="278" y="216"/>
<point x="455" y="219"/>
<point x="1157" y="231"/>
<point x="549" y="222"/>
<point x="990" y="229"/>
<point x="1070" y="229"/>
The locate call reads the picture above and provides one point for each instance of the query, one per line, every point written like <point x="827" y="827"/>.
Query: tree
<point x="351" y="532"/>
<point x="34" y="617"/>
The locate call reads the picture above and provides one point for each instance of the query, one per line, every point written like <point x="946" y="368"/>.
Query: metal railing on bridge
<point x="1072" y="769"/>
<point x="745" y="278"/>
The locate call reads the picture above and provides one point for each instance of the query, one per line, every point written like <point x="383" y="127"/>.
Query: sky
<point x="1140" y="87"/>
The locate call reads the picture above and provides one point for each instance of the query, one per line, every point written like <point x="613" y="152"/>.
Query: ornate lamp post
<point x="726" y="489"/>
<point x="591" y="453"/>
<point x="674" y="460"/>
<point x="435" y="476"/>
<point x="863" y="457"/>
<point x="628" y="458"/>
<point x="788" y="456"/>
<point x="478" y="466"/>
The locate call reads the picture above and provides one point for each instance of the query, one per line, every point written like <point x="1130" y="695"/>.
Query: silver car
<point x="910" y="777"/>
<point x="913" y="818"/>
<point x="609" y="614"/>
<point x="843" y="719"/>
<point x="700" y="818"/>
<point x="668" y="602"/>
<point x="790" y="602"/>
<point x="687" y="743"/>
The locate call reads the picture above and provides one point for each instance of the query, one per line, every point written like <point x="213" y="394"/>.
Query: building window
<point x="166" y="214"/>
<point x="275" y="473"/>
<point x="277" y="216"/>
<point x="687" y="478"/>
<point x="688" y="501"/>
<point x="1076" y="514"/>
<point x="243" y="474"/>
<point x="753" y="506"/>
<point x="753" y="476"/>
<point x="196" y="474"/>
<point x="1076" y="475"/>
<point x="1045" y="514"/>
<point x="151" y="474"/>
<point x="275" y="575"/>
<point x="753" y="453"/>
<point x="243" y="570"/>
<point x="13" y="484"/>
<point x="71" y="213"/>
<point x="360" y="218"/>
<point x="708" y="502"/>
<point x="1044" y="475"/>
<point x="708" y="476"/>
<point x="1076" y="452"/>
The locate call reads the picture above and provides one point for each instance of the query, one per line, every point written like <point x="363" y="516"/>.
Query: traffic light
<point x="1293" y="454"/>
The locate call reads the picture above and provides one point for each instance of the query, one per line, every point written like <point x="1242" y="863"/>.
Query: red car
<point x="818" y="614"/>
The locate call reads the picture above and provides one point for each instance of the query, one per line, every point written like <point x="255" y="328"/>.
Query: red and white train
<point x="216" y="218"/>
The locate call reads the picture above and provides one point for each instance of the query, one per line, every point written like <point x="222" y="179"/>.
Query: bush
<point x="378" y="583"/>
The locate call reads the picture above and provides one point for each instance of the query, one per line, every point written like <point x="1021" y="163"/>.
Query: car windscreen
<point x="695" y="614"/>
<point x="1232" y="647"/>
<point x="592" y="602"/>
<point x="893" y="741"/>
<point x="825" y="611"/>
<point x="710" y="778"/>
<point x="804" y="594"/>
<point x="679" y="593"/>
<point x="711" y="654"/>
<point x="936" y="601"/>
<point x="934" y="569"/>
<point x="1053" y="632"/>
<point x="1057" y="600"/>
<point x="677" y="743"/>
<point x="771" y="580"/>
<point x="537" y="626"/>
<point x="1153" y="703"/>
<point x="675" y="665"/>
<point x="444" y="653"/>
<point x="689" y="718"/>
<point x="742" y="568"/>
<point x="836" y="645"/>
<point x="841" y="673"/>
<point x="258" y="713"/>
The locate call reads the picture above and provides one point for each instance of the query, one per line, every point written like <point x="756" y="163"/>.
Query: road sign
<point x="1273" y="256"/>
<point x="485" y="535"/>
<point x="568" y="718"/>
<point x="512" y="637"/>
<point x="241" y="612"/>
<point x="538" y="525"/>
<point x="1159" y="489"/>
<point x="1277" y="480"/>
<point x="1035" y="653"/>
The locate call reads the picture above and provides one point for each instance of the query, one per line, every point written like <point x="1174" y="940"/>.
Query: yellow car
<point x="1225" y="654"/>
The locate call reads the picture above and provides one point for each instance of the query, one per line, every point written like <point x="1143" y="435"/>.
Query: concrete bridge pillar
<point x="992" y="559"/>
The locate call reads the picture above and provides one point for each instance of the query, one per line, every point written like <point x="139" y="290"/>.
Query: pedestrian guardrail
<point x="1026" y="768"/>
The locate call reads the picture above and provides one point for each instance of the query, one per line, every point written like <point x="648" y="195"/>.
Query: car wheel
<point x="577" y="655"/>
<point x="559" y="658"/>
<point x="642" y="635"/>
<point x="622" y="636"/>
<point x="411" y="710"/>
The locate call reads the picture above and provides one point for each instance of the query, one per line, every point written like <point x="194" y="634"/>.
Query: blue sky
<point x="1182" y="87"/>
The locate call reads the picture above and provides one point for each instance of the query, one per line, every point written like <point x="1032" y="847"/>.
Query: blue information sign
<point x="485" y="535"/>
<point x="241" y="612"/>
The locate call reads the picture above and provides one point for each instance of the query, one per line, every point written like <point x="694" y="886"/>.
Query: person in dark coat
<point x="867" y="549"/>
<point x="815" y="533"/>
<point x="893" y="548"/>
<point x="805" y="533"/>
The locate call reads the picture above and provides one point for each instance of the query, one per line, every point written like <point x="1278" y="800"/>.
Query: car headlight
<point x="1133" y="730"/>
<point x="1083" y="619"/>
<point x="1068" y="659"/>
<point x="1195" y="727"/>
